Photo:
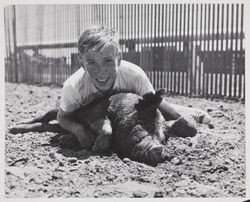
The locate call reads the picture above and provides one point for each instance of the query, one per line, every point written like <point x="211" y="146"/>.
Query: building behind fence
<point x="188" y="49"/>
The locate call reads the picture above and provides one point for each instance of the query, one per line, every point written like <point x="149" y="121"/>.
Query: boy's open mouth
<point x="102" y="80"/>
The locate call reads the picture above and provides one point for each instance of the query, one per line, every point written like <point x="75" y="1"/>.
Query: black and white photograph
<point x="124" y="100"/>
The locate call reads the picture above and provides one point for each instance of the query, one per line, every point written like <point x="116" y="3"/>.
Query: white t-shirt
<point x="78" y="90"/>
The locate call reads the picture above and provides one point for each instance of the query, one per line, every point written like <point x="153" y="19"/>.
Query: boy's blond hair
<point x="97" y="37"/>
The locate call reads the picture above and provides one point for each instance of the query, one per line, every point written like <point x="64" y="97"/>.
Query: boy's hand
<point x="84" y="136"/>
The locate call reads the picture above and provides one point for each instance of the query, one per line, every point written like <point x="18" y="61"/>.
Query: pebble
<point x="210" y="126"/>
<point x="54" y="177"/>
<point x="209" y="110"/>
<point x="111" y="178"/>
<point x="59" y="169"/>
<point x="73" y="169"/>
<point x="87" y="161"/>
<point x="72" y="160"/>
<point x="176" y="161"/>
<point x="8" y="160"/>
<point x="158" y="194"/>
<point x="126" y="160"/>
<point x="139" y="194"/>
<point x="38" y="181"/>
<point x="61" y="163"/>
<point x="208" y="163"/>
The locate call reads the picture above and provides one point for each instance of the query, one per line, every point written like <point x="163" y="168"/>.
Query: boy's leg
<point x="200" y="116"/>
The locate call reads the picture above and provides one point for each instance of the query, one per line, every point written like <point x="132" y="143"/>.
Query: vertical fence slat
<point x="183" y="64"/>
<point x="241" y="53"/>
<point x="195" y="50"/>
<point x="226" y="58"/>
<point x="187" y="44"/>
<point x="151" y="44"/>
<point x="231" y="52"/>
<point x="212" y="53"/>
<point x="191" y="52"/>
<point x="209" y="51"/>
<point x="236" y="52"/>
<point x="7" y="42"/>
<point x="15" y="43"/>
<point x="221" y="49"/>
<point x="200" y="52"/>
<point x="217" y="65"/>
<point x="168" y="45"/>
<point x="175" y="13"/>
<point x="180" y="51"/>
<point x="162" y="47"/>
<point x="203" y="52"/>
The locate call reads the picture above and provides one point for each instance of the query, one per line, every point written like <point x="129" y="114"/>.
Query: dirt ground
<point x="211" y="164"/>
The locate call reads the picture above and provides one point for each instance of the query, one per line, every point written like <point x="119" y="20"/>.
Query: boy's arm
<point x="83" y="135"/>
<point x="168" y="112"/>
<point x="184" y="126"/>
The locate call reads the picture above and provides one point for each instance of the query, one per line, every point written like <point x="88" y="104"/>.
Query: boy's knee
<point x="184" y="128"/>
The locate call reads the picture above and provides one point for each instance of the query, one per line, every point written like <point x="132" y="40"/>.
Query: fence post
<point x="14" y="43"/>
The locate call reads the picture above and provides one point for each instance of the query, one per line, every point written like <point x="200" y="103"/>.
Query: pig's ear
<point x="140" y="105"/>
<point x="137" y="107"/>
<point x="149" y="101"/>
<point x="160" y="92"/>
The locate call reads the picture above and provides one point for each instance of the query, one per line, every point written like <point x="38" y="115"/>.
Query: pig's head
<point x="148" y="114"/>
<point x="149" y="102"/>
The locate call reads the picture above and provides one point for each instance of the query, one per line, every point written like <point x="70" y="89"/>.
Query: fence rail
<point x="188" y="49"/>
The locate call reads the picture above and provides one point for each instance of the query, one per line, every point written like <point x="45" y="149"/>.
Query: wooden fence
<point x="188" y="49"/>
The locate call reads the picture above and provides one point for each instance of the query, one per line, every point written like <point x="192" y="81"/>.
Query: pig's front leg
<point x="104" y="138"/>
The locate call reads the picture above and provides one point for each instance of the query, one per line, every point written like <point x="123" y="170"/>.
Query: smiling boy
<point x="103" y="72"/>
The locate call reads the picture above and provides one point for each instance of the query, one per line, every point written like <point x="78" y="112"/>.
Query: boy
<point x="103" y="72"/>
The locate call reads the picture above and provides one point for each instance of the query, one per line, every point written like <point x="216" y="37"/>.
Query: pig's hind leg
<point x="38" y="124"/>
<point x="45" y="118"/>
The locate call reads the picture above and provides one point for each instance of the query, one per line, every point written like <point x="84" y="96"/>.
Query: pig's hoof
<point x="157" y="155"/>
<point x="156" y="152"/>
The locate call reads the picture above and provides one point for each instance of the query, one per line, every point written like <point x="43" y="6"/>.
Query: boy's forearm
<point x="167" y="111"/>
<point x="69" y="124"/>
<point x="82" y="134"/>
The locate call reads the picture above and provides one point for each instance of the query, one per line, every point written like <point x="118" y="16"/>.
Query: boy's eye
<point x="109" y="60"/>
<point x="91" y="62"/>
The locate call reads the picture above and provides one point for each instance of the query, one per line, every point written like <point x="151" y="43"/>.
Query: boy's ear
<point x="80" y="60"/>
<point x="119" y="57"/>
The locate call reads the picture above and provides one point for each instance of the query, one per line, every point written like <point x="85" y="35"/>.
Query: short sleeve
<point x="69" y="99"/>
<point x="143" y="84"/>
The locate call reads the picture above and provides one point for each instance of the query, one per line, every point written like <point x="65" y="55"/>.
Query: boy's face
<point x="101" y="66"/>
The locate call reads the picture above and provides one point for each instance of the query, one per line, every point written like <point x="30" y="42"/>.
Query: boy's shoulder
<point x="77" y="79"/>
<point x="130" y="68"/>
